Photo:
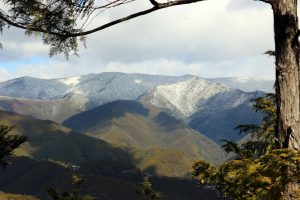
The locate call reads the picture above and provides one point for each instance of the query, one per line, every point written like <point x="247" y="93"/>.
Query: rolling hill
<point x="137" y="125"/>
<point x="49" y="140"/>
<point x="52" y="149"/>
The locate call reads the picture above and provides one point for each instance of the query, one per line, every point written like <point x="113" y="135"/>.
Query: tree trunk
<point x="287" y="77"/>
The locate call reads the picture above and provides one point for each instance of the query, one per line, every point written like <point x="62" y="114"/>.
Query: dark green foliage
<point x="263" y="135"/>
<point x="8" y="143"/>
<point x="77" y="181"/>
<point x="263" y="178"/>
<point x="259" y="171"/>
<point x="145" y="190"/>
<point x="28" y="176"/>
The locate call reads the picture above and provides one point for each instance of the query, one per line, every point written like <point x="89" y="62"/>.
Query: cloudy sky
<point x="215" y="38"/>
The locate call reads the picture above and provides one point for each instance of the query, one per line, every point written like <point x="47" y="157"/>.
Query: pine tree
<point x="260" y="170"/>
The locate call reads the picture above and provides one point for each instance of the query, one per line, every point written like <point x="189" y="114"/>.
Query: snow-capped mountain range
<point x="187" y="97"/>
<point x="110" y="86"/>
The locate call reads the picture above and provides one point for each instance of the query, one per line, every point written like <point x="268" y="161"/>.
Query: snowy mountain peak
<point x="185" y="96"/>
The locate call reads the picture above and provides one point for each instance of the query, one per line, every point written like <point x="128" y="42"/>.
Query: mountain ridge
<point x="186" y="97"/>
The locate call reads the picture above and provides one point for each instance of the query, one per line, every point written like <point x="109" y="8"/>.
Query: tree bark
<point x="287" y="73"/>
<point x="287" y="78"/>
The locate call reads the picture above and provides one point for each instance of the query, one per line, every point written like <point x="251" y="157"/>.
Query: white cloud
<point x="210" y="38"/>
<point x="253" y="67"/>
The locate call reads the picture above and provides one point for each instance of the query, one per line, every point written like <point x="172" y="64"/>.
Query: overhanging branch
<point x="156" y="6"/>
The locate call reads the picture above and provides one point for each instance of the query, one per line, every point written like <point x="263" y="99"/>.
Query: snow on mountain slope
<point x="33" y="88"/>
<point x="184" y="98"/>
<point x="98" y="88"/>
<point x="210" y="108"/>
<point x="180" y="96"/>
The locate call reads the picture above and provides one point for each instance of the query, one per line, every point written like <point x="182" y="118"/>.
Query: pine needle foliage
<point x="8" y="143"/>
<point x="263" y="135"/>
<point x="259" y="170"/>
<point x="53" y="20"/>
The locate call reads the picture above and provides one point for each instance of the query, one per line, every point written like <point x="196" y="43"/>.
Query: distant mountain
<point x="132" y="124"/>
<point x="209" y="108"/>
<point x="246" y="84"/>
<point x="58" y="99"/>
<point x="195" y="100"/>
<point x="110" y="86"/>
<point x="98" y="88"/>
<point x="56" y="110"/>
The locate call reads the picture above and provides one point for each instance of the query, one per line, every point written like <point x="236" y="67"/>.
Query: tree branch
<point x="157" y="6"/>
<point x="154" y="3"/>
